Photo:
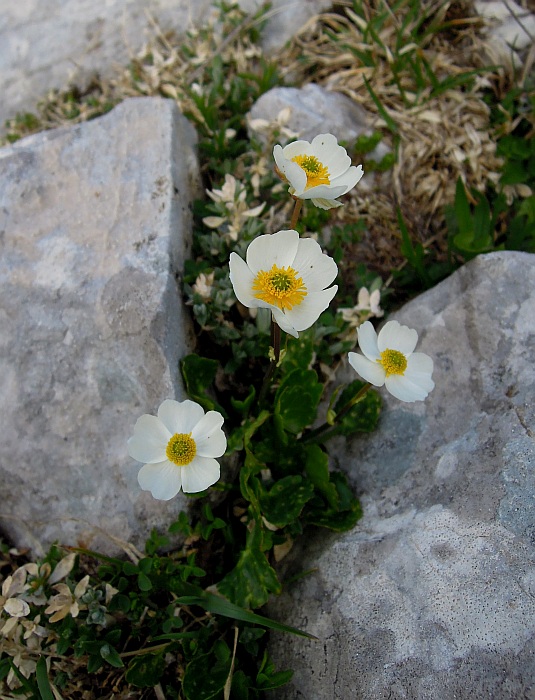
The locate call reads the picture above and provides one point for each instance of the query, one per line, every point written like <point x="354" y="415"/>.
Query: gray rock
<point x="314" y="110"/>
<point x="53" y="44"/>
<point x="509" y="30"/>
<point x="432" y="595"/>
<point x="94" y="225"/>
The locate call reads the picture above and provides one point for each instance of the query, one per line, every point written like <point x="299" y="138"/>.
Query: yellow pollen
<point x="280" y="287"/>
<point x="316" y="172"/>
<point x="393" y="361"/>
<point x="181" y="449"/>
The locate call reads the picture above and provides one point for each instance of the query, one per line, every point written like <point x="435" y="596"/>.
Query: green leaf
<point x="275" y="680"/>
<point x="110" y="655"/>
<point x="41" y="675"/>
<point x="363" y="416"/>
<point x="252" y="579"/>
<point x="199" y="374"/>
<point x="144" y="582"/>
<point x="206" y="675"/>
<point x="317" y="469"/>
<point x="285" y="500"/>
<point x="145" y="670"/>
<point x="299" y="352"/>
<point x="462" y="209"/>
<point x="297" y="398"/>
<point x="338" y="519"/>
<point x="221" y="606"/>
<point x="244" y="406"/>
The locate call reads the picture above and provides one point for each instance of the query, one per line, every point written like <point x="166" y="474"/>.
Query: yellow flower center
<point x="316" y="172"/>
<point x="393" y="361"/>
<point x="279" y="286"/>
<point x="181" y="449"/>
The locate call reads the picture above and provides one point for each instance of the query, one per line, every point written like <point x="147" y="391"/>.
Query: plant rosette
<point x="320" y="171"/>
<point x="286" y="274"/>
<point x="178" y="447"/>
<point x="389" y="359"/>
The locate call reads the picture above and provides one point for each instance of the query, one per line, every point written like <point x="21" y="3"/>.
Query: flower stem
<point x="324" y="431"/>
<point x="296" y="212"/>
<point x="276" y="344"/>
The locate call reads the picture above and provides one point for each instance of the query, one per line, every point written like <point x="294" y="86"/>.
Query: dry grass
<point x="439" y="135"/>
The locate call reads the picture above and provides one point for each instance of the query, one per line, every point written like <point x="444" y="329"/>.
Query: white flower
<point x="178" y="448"/>
<point x="367" y="306"/>
<point x="389" y="359"/>
<point x="203" y="286"/>
<point x="231" y="201"/>
<point x="286" y="274"/>
<point x="320" y="171"/>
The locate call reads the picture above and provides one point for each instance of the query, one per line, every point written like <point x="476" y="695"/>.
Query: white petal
<point x="149" y="442"/>
<point x="326" y="203"/>
<point x="212" y="446"/>
<point x="297" y="148"/>
<point x="368" y="341"/>
<point x="180" y="417"/>
<point x="201" y="473"/>
<point x="370" y="371"/>
<point x="321" y="192"/>
<point x="242" y="280"/>
<point x="317" y="270"/>
<point x="272" y="249"/>
<point x="419" y="364"/>
<point x="284" y="324"/>
<point x="349" y="179"/>
<point x="403" y="389"/>
<point x="209" y="438"/>
<point x="305" y="314"/>
<point x="394" y="336"/>
<point x="163" y="480"/>
<point x="329" y="153"/>
<point x="293" y="172"/>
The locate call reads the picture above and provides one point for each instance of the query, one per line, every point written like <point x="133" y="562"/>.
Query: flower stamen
<point x="181" y="449"/>
<point x="393" y="361"/>
<point x="316" y="172"/>
<point x="280" y="287"/>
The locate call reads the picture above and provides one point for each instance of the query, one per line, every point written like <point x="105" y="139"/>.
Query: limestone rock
<point x="52" y="45"/>
<point x="509" y="30"/>
<point x="313" y="110"/>
<point x="432" y="595"/>
<point x="94" y="226"/>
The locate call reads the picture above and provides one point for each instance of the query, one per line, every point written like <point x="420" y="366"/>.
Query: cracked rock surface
<point x="432" y="595"/>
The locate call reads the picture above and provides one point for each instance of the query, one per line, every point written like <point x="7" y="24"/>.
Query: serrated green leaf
<point x="317" y="469"/>
<point x="285" y="500"/>
<point x="205" y="676"/>
<point x="252" y="580"/>
<point x="275" y="680"/>
<point x="145" y="670"/>
<point x="342" y="519"/>
<point x="363" y="416"/>
<point x="199" y="374"/>
<point x="244" y="406"/>
<point x="297" y="398"/>
<point x="299" y="352"/>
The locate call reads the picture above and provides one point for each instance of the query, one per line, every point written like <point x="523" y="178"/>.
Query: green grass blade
<point x="382" y="111"/>
<point x="43" y="683"/>
<point x="220" y="606"/>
